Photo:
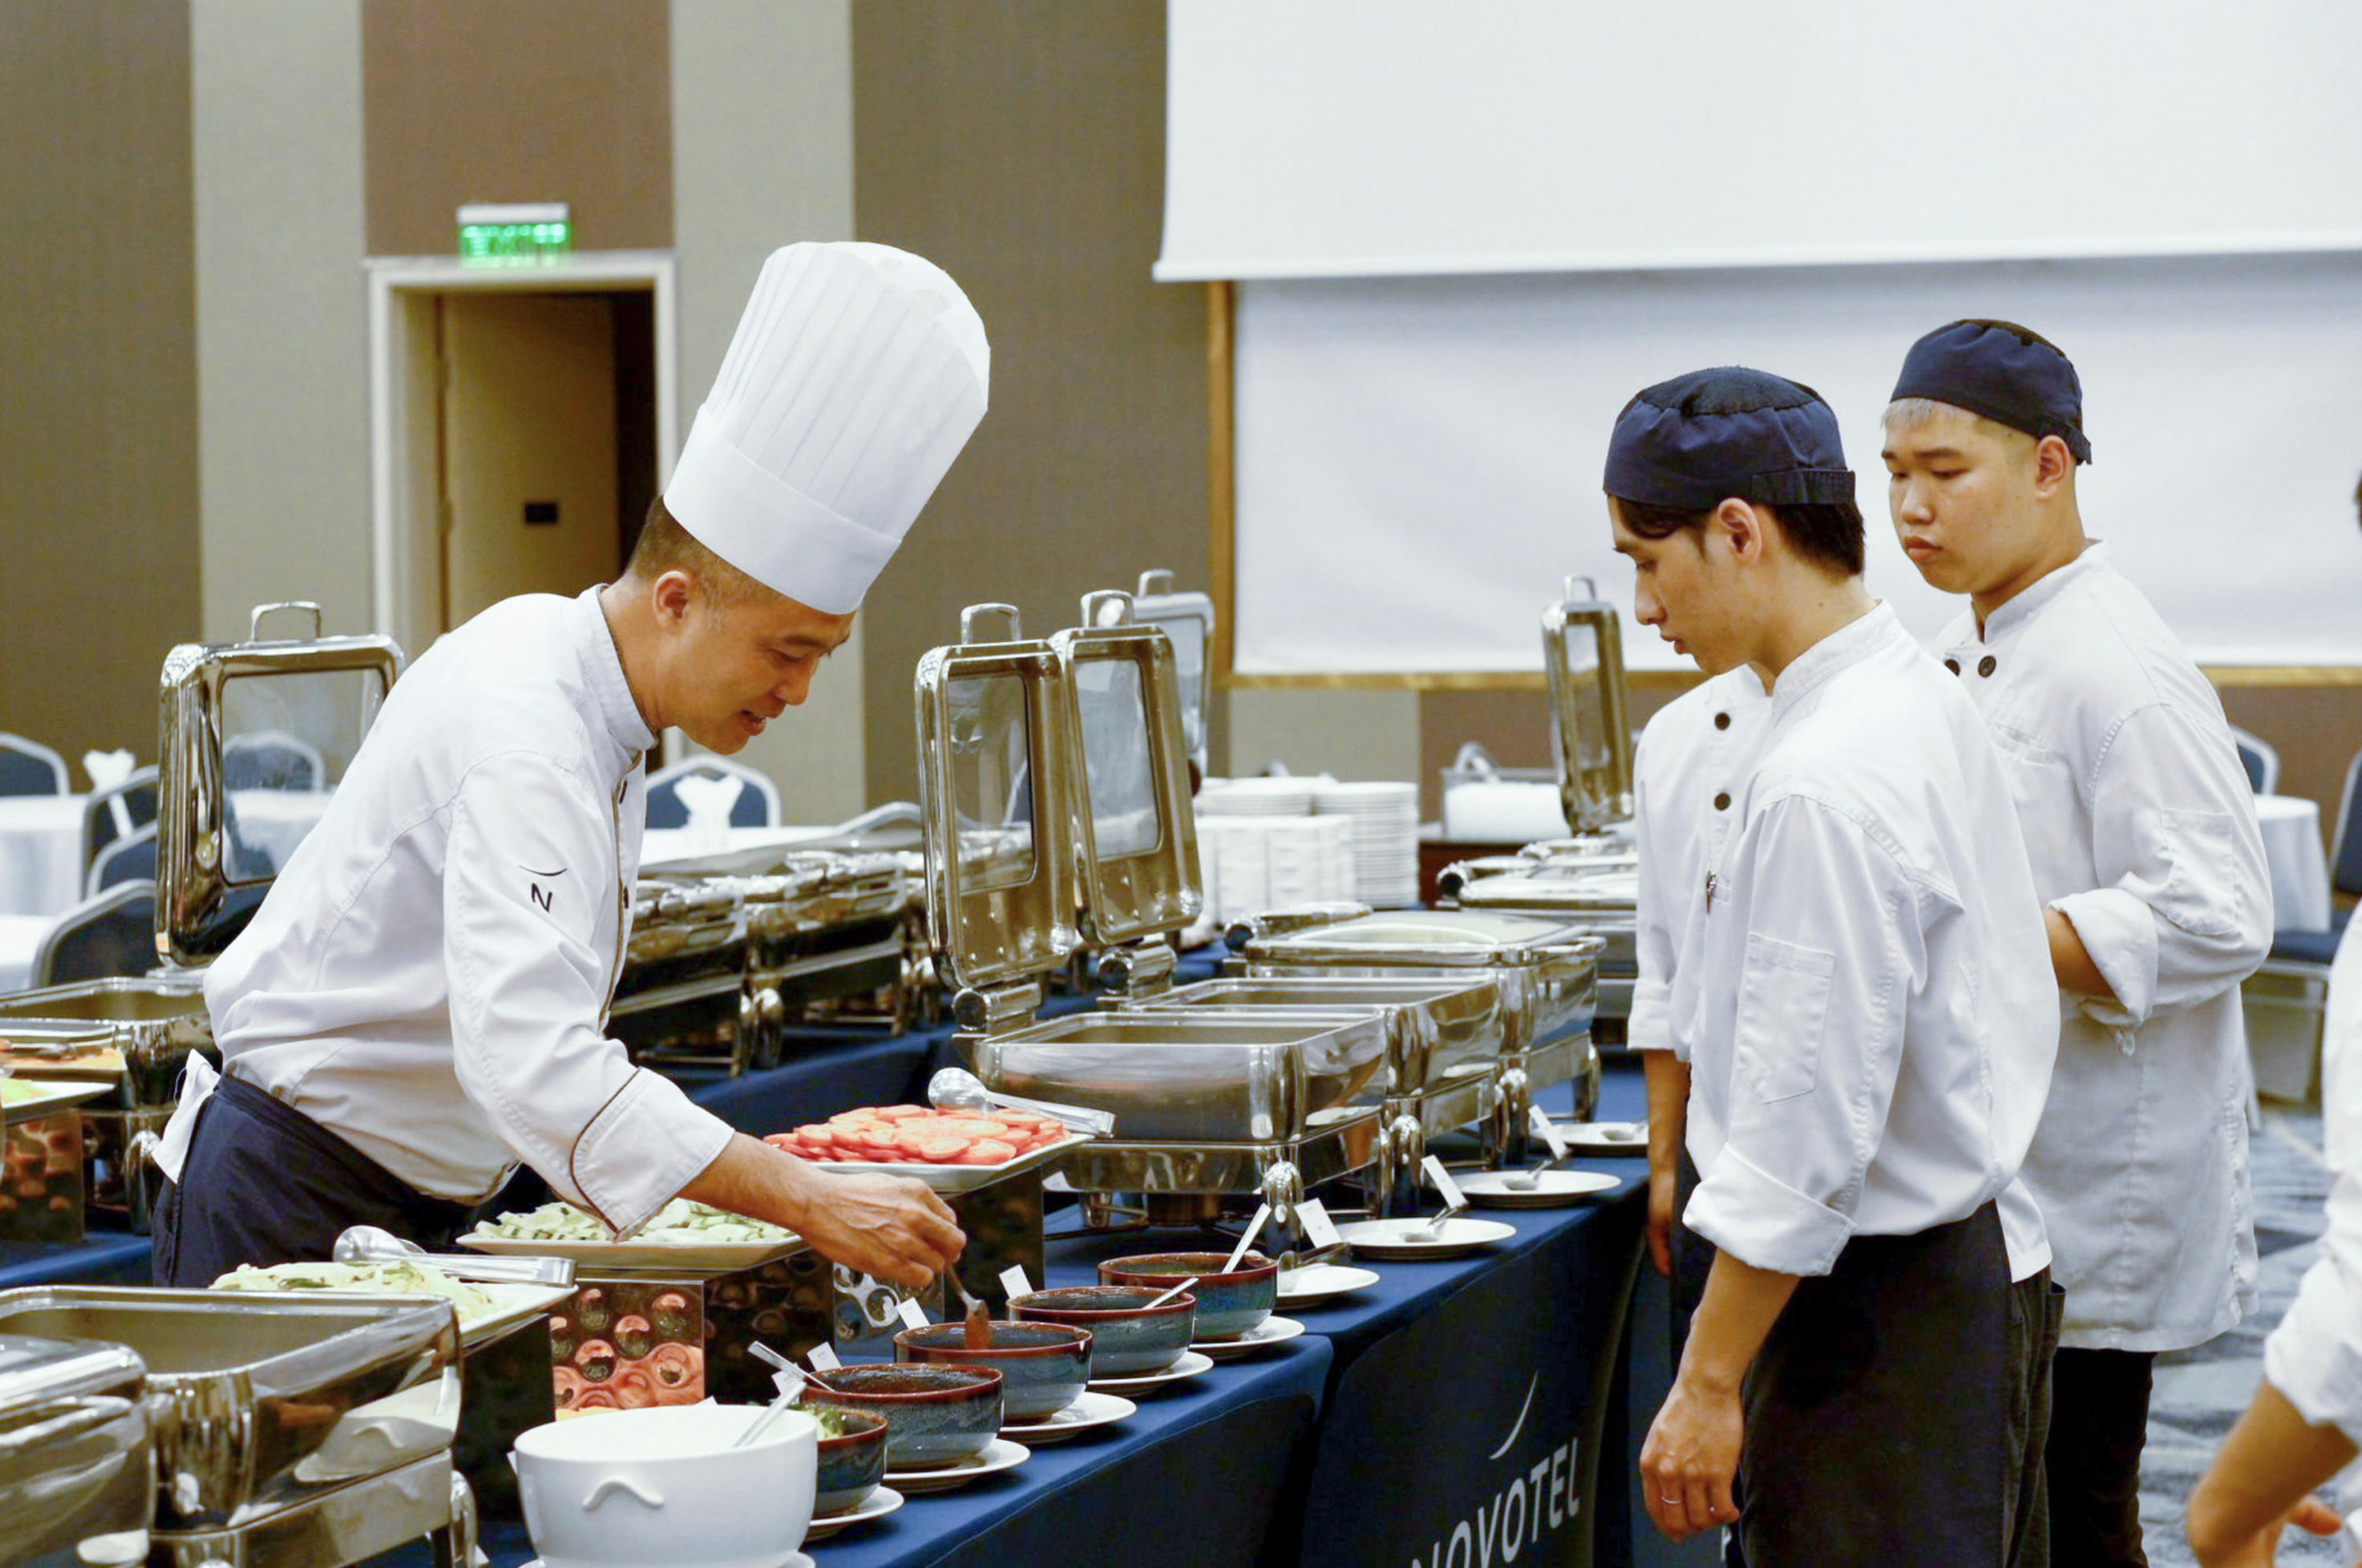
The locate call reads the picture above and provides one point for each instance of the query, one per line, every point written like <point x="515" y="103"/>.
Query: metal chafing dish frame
<point x="199" y="908"/>
<point x="1234" y="1107"/>
<point x="77" y="1475"/>
<point x="1553" y="969"/>
<point x="1583" y="654"/>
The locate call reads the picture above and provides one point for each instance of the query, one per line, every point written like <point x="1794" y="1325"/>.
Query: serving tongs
<point x="368" y="1244"/>
<point x="956" y="1089"/>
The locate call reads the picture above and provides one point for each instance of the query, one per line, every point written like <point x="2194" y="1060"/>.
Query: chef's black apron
<point x="264" y="1184"/>
<point x="1887" y="1411"/>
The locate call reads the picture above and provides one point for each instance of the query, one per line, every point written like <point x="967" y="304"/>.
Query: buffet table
<point x="2299" y="870"/>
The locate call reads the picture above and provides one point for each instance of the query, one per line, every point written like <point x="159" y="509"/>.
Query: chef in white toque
<point x="420" y="1004"/>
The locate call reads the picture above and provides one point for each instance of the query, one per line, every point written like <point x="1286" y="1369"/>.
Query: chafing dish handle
<point x="1294" y="918"/>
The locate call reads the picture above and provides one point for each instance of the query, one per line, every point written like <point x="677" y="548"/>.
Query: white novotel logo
<point x="1514" y="1516"/>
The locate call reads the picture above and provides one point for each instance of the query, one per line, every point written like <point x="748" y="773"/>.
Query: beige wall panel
<point x="283" y="349"/>
<point x="761" y="94"/>
<point x="1020" y="145"/>
<point x="98" y="512"/>
<point x="2316" y="730"/>
<point x="517" y="101"/>
<point x="1352" y="733"/>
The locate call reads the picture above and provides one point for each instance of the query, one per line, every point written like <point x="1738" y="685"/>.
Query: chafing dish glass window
<point x="1589" y="746"/>
<point x="286" y="741"/>
<point x="1116" y="757"/>
<point x="992" y="745"/>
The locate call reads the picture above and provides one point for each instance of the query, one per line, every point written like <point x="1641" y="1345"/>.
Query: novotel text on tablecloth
<point x="1514" y="1517"/>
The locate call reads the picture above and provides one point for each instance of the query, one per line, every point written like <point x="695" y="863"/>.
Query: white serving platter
<point x="50" y="1096"/>
<point x="952" y="1180"/>
<point x="1189" y="1365"/>
<point x="1090" y="1410"/>
<point x="1605" y="1137"/>
<point x="690" y="1257"/>
<point x="1551" y="1189"/>
<point x="1400" y="1240"/>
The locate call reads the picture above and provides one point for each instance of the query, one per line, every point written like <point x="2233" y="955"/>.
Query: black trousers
<point x="264" y="1184"/>
<point x="1894" y="1412"/>
<point x="2099" y="1422"/>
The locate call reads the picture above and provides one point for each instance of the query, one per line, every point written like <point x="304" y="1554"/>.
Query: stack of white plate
<point x="1384" y="816"/>
<point x="1255" y="797"/>
<point x="1253" y="863"/>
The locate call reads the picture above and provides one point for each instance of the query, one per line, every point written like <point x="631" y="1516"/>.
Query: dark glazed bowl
<point x="1228" y="1303"/>
<point x="934" y="1415"/>
<point x="851" y="1465"/>
<point x="1129" y="1337"/>
<point x="1042" y="1366"/>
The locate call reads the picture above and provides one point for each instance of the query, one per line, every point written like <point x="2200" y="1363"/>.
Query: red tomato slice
<point x="902" y="1112"/>
<point x="987" y="1151"/>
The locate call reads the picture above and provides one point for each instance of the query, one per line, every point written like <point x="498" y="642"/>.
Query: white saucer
<point x="1191" y="1363"/>
<point x="1272" y="1330"/>
<point x="1088" y="1411"/>
<point x="1299" y="1288"/>
<point x="1551" y="1189"/>
<point x="880" y="1502"/>
<point x="1400" y="1240"/>
<point x="999" y="1454"/>
<point x="1605" y="1137"/>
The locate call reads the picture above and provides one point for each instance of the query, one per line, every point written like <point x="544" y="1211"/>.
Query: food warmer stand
<point x="1054" y="794"/>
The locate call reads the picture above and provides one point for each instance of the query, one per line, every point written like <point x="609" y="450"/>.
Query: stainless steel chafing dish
<point x="1600" y="899"/>
<point x="1544" y="972"/>
<point x="1583" y="654"/>
<point x="77" y="1481"/>
<point x="1055" y="797"/>
<point x="311" y="1430"/>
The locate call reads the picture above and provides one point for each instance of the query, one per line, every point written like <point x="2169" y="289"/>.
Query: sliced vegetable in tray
<point x="914" y="1134"/>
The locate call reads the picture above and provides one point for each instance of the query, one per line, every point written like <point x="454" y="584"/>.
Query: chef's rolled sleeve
<point x="2182" y="911"/>
<point x="1759" y="1219"/>
<point x="526" y="888"/>
<point x="2314" y="1356"/>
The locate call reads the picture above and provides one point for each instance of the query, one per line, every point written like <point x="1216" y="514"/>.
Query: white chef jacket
<point x="2314" y="1356"/>
<point x="430" y="974"/>
<point x="1699" y="749"/>
<point x="1865" y="989"/>
<point x="2142" y="829"/>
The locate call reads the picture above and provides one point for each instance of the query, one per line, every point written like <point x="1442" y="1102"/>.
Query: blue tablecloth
<point x="102" y="1257"/>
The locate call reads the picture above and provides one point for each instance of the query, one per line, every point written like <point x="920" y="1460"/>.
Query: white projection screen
<point x="1468" y="234"/>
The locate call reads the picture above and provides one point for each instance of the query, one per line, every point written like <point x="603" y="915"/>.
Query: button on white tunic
<point x="1865" y="991"/>
<point x="429" y="977"/>
<point x="2142" y="830"/>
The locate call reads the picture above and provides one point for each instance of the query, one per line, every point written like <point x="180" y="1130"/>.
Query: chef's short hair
<point x="665" y="545"/>
<point x="1910" y="412"/>
<point x="1828" y="532"/>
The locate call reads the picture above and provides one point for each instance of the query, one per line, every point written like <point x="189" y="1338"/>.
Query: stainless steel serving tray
<point x="77" y="1481"/>
<point x="513" y="1307"/>
<point x="152" y="1022"/>
<point x="1199" y="1079"/>
<point x="50" y="1097"/>
<point x="1437" y="1030"/>
<point x="257" y="1402"/>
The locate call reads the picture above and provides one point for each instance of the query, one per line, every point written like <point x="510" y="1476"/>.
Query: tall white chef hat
<point x="855" y="377"/>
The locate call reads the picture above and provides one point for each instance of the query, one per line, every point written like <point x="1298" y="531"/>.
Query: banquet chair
<point x="2262" y="763"/>
<point x="2287" y="997"/>
<point x="117" y="813"/>
<point x="100" y="938"/>
<point x="271" y="759"/>
<point x="128" y="859"/>
<point x="28" y="767"/>
<point x="757" y="804"/>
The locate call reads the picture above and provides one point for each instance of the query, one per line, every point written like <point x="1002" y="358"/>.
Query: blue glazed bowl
<point x="851" y="1458"/>
<point x="934" y="1415"/>
<point x="1042" y="1366"/>
<point x="1228" y="1303"/>
<point x="1128" y="1336"/>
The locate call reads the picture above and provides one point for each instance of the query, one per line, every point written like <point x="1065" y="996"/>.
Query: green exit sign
<point x="510" y="231"/>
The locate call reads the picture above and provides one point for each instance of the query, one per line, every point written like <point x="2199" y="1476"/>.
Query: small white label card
<point x="823" y="1357"/>
<point x="1013" y="1280"/>
<point x="1319" y="1229"/>
<point x="1547" y="1129"/>
<point x="913" y="1316"/>
<point x="1444" y="1185"/>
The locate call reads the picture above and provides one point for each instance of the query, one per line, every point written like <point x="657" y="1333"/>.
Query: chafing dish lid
<point x="256" y="736"/>
<point x="1588" y="892"/>
<point x="1473" y="936"/>
<point x="33" y="1371"/>
<point x="1188" y="619"/>
<point x="1583" y="652"/>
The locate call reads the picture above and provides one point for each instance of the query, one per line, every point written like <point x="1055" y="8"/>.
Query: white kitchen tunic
<point x="1864" y="990"/>
<point x="2314" y="1356"/>
<point x="429" y="977"/>
<point x="1697" y="750"/>
<point x="2142" y="829"/>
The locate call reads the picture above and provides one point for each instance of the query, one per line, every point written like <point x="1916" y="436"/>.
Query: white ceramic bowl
<point x="663" y="1484"/>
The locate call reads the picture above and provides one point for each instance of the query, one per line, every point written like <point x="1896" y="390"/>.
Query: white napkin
<point x="708" y="799"/>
